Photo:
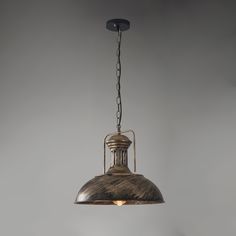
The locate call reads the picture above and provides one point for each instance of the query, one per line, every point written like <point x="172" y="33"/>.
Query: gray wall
<point x="57" y="102"/>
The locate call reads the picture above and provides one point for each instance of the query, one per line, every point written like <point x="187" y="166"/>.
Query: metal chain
<point x="118" y="76"/>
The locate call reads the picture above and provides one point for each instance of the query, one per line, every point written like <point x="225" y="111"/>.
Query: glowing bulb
<point x="119" y="202"/>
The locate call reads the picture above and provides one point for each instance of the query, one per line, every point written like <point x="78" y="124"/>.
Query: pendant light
<point x="118" y="185"/>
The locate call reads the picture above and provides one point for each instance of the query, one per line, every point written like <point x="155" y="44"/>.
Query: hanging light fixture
<point x="118" y="185"/>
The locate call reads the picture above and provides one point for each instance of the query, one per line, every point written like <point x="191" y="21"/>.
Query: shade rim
<point x="110" y="202"/>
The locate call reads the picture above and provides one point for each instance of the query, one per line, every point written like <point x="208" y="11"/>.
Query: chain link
<point x="118" y="76"/>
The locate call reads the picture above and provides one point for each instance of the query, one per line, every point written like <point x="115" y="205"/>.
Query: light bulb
<point x="119" y="202"/>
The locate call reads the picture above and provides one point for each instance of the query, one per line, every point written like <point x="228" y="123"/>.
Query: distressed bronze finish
<point x="105" y="189"/>
<point x="119" y="183"/>
<point x="118" y="141"/>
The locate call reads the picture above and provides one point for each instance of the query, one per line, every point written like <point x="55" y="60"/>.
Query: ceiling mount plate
<point x="115" y="24"/>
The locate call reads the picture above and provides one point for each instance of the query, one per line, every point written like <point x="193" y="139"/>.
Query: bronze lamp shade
<point x="108" y="189"/>
<point x="119" y="185"/>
